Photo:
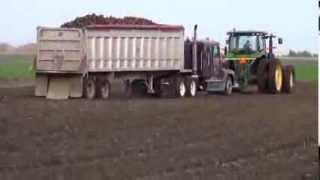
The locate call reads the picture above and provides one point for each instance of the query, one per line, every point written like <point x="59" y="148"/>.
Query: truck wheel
<point x="191" y="85"/>
<point x="157" y="87"/>
<point x="275" y="76"/>
<point x="127" y="88"/>
<point x="104" y="88"/>
<point x="262" y="76"/>
<point x="139" y="87"/>
<point x="228" y="87"/>
<point x="288" y="79"/>
<point x="90" y="88"/>
<point x="180" y="87"/>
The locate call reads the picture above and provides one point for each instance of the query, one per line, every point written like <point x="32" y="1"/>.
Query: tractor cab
<point x="250" y="55"/>
<point x="250" y="45"/>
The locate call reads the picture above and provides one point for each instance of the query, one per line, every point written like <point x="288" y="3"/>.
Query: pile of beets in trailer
<point x="94" y="19"/>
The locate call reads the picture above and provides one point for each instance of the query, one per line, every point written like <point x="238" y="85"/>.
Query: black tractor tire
<point x="192" y="87"/>
<point x="104" y="88"/>
<point x="228" y="87"/>
<point x="139" y="88"/>
<point x="275" y="69"/>
<point x="90" y="88"/>
<point x="288" y="79"/>
<point x="262" y="76"/>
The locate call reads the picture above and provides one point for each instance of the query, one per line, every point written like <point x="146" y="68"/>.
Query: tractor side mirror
<point x="225" y="51"/>
<point x="280" y="41"/>
<point x="227" y="41"/>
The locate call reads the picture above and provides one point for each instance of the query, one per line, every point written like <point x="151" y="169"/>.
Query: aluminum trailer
<point x="82" y="62"/>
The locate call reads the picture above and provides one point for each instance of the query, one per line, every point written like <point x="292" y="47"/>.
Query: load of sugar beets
<point x="94" y="19"/>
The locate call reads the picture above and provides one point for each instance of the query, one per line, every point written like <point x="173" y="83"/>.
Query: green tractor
<point x="253" y="61"/>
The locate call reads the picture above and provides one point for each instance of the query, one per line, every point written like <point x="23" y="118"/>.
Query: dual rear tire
<point x="176" y="87"/>
<point x="274" y="78"/>
<point x="96" y="87"/>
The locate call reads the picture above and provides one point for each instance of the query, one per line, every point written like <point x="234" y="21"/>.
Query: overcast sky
<point x="294" y="20"/>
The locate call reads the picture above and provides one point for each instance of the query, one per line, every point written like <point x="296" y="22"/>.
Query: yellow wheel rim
<point x="278" y="77"/>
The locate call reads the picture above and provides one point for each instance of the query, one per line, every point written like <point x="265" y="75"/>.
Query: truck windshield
<point x="243" y="43"/>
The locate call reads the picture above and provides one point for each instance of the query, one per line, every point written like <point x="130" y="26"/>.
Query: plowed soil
<point x="244" y="136"/>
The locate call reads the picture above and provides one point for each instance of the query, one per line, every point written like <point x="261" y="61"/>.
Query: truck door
<point x="217" y="62"/>
<point x="206" y="62"/>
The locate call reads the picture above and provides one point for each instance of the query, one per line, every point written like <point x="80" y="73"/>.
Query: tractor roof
<point x="263" y="33"/>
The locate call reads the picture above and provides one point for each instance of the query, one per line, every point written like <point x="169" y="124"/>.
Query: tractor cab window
<point x="262" y="43"/>
<point x="243" y="43"/>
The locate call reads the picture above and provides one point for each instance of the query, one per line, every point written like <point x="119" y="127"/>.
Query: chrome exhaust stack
<point x="194" y="52"/>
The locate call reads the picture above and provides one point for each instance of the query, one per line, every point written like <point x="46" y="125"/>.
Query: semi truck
<point x="156" y="59"/>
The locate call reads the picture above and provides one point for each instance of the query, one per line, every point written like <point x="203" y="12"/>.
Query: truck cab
<point x="214" y="76"/>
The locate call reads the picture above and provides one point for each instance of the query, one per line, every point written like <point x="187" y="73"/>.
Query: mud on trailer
<point x="148" y="58"/>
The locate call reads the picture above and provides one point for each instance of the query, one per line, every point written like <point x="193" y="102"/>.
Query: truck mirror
<point x="227" y="41"/>
<point x="225" y="51"/>
<point x="280" y="41"/>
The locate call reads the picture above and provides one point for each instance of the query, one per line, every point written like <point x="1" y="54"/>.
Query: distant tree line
<point x="305" y="53"/>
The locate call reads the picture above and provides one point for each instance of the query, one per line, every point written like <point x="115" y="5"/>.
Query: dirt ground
<point x="244" y="136"/>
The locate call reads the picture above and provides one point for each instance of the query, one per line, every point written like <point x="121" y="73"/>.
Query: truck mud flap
<point x="41" y="85"/>
<point x="58" y="88"/>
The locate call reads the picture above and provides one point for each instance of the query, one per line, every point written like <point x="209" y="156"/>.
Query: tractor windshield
<point x="243" y="43"/>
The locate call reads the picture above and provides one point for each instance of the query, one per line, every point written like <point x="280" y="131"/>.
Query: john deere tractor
<point x="250" y="55"/>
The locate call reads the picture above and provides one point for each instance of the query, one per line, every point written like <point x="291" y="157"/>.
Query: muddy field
<point x="245" y="136"/>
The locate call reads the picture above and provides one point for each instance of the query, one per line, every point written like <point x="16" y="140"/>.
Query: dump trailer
<point x="147" y="58"/>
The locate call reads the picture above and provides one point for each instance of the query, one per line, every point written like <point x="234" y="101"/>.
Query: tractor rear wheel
<point x="262" y="76"/>
<point x="288" y="79"/>
<point x="90" y="88"/>
<point x="275" y="76"/>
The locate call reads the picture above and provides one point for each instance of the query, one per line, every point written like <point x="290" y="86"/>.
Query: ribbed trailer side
<point x="128" y="48"/>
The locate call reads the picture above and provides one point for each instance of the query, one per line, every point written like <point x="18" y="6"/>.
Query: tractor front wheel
<point x="262" y="76"/>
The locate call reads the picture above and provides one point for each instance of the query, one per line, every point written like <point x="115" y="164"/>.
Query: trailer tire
<point x="90" y="88"/>
<point x="104" y="88"/>
<point x="288" y="79"/>
<point x="128" y="88"/>
<point x="139" y="88"/>
<point x="157" y="87"/>
<point x="262" y="76"/>
<point x="191" y="86"/>
<point x="275" y="77"/>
